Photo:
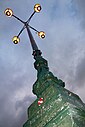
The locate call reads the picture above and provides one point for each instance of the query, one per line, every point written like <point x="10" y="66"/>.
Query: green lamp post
<point x="55" y="106"/>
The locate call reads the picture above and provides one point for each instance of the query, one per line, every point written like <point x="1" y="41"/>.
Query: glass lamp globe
<point x="37" y="8"/>
<point x="16" y="40"/>
<point x="8" y="12"/>
<point x="41" y="34"/>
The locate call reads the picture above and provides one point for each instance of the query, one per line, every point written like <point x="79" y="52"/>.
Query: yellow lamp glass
<point x="37" y="8"/>
<point x="41" y="34"/>
<point x="16" y="40"/>
<point x="8" y="12"/>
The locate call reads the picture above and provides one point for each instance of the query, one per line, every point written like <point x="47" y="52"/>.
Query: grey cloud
<point x="80" y="72"/>
<point x="80" y="7"/>
<point x="8" y="111"/>
<point x="23" y="103"/>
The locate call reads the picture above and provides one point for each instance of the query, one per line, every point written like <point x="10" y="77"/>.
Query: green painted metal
<point x="60" y="107"/>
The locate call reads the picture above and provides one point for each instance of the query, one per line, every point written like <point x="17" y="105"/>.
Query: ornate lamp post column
<point x="55" y="106"/>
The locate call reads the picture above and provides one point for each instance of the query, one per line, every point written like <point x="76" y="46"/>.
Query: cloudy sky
<point x="64" y="48"/>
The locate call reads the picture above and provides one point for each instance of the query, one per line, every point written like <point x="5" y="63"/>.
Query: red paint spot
<point x="40" y="101"/>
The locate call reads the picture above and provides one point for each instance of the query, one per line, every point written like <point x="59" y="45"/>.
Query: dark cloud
<point x="14" y="115"/>
<point x="80" y="72"/>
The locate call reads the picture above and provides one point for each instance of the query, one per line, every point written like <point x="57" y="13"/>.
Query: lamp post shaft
<point x="33" y="43"/>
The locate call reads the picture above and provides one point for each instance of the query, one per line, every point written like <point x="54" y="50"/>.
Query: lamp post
<point x="37" y="8"/>
<point x="55" y="105"/>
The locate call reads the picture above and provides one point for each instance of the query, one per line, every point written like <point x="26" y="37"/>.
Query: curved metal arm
<point x="21" y="30"/>
<point x="18" y="18"/>
<point x="33" y="28"/>
<point x="30" y="17"/>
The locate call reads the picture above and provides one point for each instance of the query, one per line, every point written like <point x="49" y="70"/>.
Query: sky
<point x="64" y="47"/>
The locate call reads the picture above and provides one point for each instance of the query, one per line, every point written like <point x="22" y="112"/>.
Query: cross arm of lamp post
<point x="16" y="39"/>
